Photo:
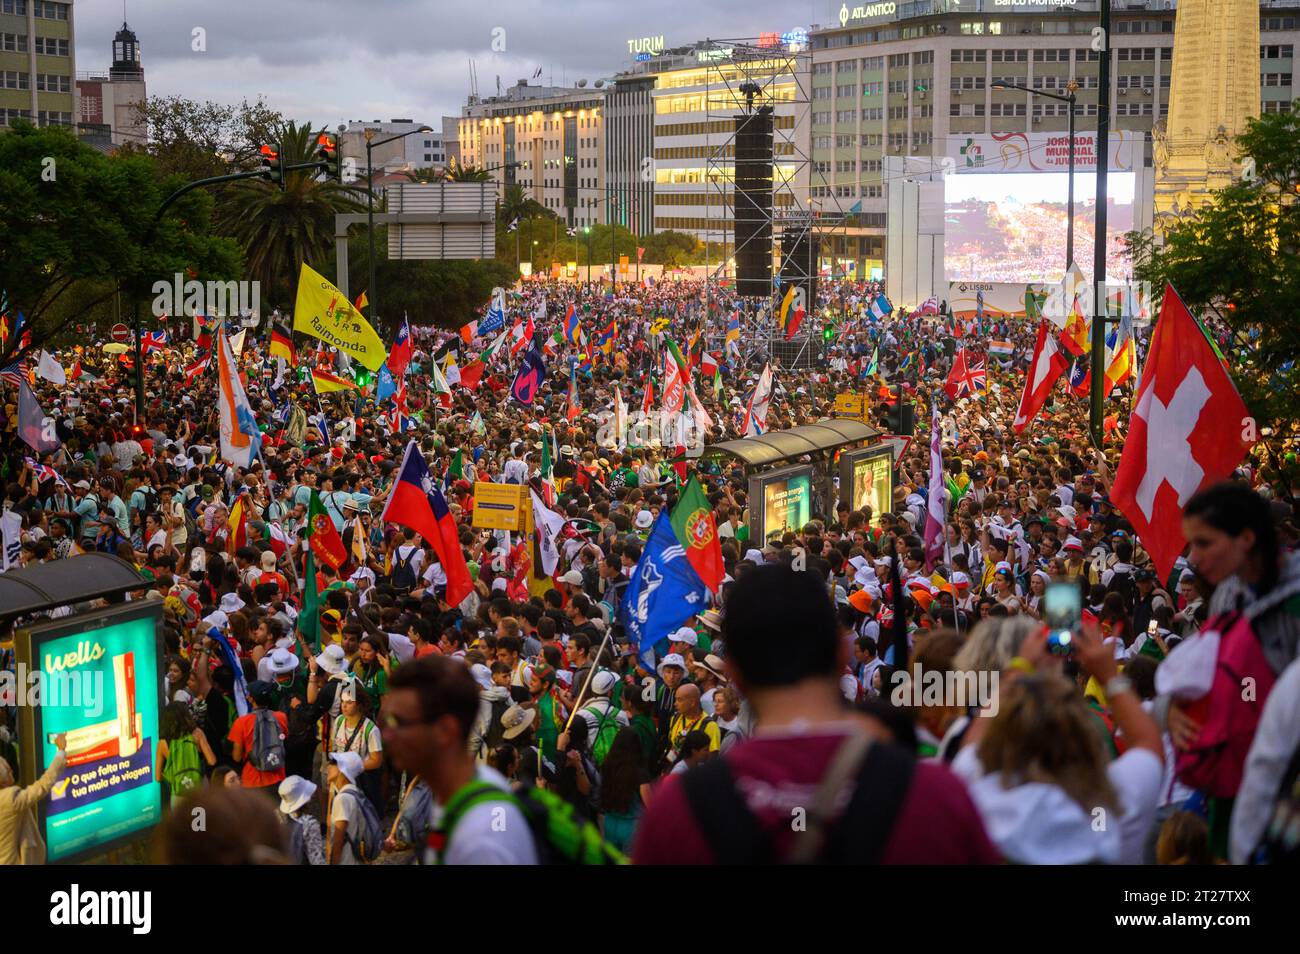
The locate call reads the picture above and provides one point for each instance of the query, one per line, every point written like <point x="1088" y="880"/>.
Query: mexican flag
<point x="697" y="532"/>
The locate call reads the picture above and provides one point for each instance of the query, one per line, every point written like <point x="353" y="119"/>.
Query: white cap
<point x="482" y="675"/>
<point x="685" y="635"/>
<point x="644" y="520"/>
<point x="602" y="684"/>
<point x="349" y="764"/>
<point x="573" y="578"/>
<point x="672" y="659"/>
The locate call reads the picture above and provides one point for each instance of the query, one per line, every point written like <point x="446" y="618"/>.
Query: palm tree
<point x="282" y="229"/>
<point x="458" y="173"/>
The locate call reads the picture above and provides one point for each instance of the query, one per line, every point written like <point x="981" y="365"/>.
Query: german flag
<point x="324" y="382"/>
<point x="282" y="345"/>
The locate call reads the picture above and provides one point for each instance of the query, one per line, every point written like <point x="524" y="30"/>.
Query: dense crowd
<point x="412" y="728"/>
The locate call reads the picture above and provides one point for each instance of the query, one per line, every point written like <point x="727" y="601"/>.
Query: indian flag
<point x="1001" y="348"/>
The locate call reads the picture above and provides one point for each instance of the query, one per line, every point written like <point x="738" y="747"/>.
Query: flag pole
<point x="590" y="675"/>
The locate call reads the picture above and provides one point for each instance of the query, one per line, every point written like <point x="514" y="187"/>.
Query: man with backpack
<point x="866" y="800"/>
<point x="408" y="560"/>
<point x="432" y="704"/>
<point x="603" y="718"/>
<point x="258" y="740"/>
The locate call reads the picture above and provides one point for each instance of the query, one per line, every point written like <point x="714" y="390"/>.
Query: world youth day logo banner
<point x="324" y="312"/>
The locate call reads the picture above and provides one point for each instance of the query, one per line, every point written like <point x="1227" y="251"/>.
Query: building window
<point x="871" y="139"/>
<point x="846" y="66"/>
<point x="1135" y="54"/>
<point x="49" y="46"/>
<point x="874" y="113"/>
<point x="968" y="56"/>
<point x="823" y="92"/>
<point x="846" y="91"/>
<point x="822" y="142"/>
<point x="1275" y="79"/>
<point x="1275" y="106"/>
<point x="897" y="112"/>
<point x="821" y="69"/>
<point x="47" y="10"/>
<point x="870" y="165"/>
<point x="8" y="116"/>
<point x="922" y="112"/>
<point x="898" y="86"/>
<point x="873" y="63"/>
<point x="1050" y="109"/>
<point x="46" y="118"/>
<point x="872" y="89"/>
<point x="897" y="140"/>
<point x="966" y="82"/>
<point x="1007" y="109"/>
<point x="920" y="139"/>
<point x="923" y="57"/>
<point x="872" y="192"/>
<point x="1277" y="23"/>
<point x="1277" y="51"/>
<point x="846" y="115"/>
<point x="13" y="43"/>
<point x="1052" y="55"/>
<point x="898" y="61"/>
<point x="12" y="79"/>
<point x="844" y="142"/>
<point x="821" y="118"/>
<point x="965" y="109"/>
<point x="1009" y="56"/>
<point x="15" y="7"/>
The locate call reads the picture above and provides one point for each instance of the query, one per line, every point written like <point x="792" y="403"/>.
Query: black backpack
<point x="150" y="503"/>
<point x="1122" y="583"/>
<point x="403" y="577"/>
<point x="881" y="775"/>
<point x="268" y="742"/>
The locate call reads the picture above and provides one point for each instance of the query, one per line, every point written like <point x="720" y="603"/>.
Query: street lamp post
<point x="586" y="229"/>
<point x="372" y="293"/>
<point x="1096" y="421"/>
<point x="1068" y="99"/>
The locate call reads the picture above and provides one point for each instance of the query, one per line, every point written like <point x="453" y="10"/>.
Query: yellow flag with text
<point x="324" y="312"/>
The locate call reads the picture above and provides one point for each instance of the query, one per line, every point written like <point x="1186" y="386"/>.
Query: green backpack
<point x="606" y="728"/>
<point x="184" y="771"/>
<point x="560" y="834"/>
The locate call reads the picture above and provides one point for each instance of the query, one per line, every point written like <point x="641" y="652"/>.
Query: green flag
<point x="697" y="532"/>
<point x="457" y="469"/>
<point x="309" y="616"/>
<point x="547" y="465"/>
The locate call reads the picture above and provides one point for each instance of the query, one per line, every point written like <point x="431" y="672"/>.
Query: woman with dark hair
<point x="624" y="790"/>
<point x="183" y="750"/>
<point x="371" y="668"/>
<point x="1255" y="607"/>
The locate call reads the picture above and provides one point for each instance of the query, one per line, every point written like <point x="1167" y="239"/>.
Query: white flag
<point x="11" y="526"/>
<point x="50" y="369"/>
<point x="549" y="524"/>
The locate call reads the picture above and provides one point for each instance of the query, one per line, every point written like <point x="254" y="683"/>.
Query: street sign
<point x="852" y="405"/>
<point x="121" y="333"/>
<point x="500" y="506"/>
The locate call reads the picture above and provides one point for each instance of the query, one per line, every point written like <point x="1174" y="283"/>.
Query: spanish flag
<point x="282" y="345"/>
<point x="361" y="301"/>
<point x="324" y="382"/>
<point x="238" y="524"/>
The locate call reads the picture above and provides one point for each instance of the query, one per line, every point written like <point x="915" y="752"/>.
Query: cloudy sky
<point x="330" y="61"/>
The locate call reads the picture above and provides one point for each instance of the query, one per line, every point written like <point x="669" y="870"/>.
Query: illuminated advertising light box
<point x="867" y="480"/>
<point x="779" y="500"/>
<point x="100" y="683"/>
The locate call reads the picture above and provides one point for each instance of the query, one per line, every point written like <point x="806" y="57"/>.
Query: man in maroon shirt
<point x="817" y="782"/>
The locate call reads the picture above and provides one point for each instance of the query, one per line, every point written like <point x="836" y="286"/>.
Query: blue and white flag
<point x="496" y="314"/>
<point x="385" y="386"/>
<point x="664" y="593"/>
<point x="881" y="307"/>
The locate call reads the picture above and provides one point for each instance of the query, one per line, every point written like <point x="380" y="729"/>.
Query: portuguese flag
<point x="319" y="530"/>
<point x="697" y="532"/>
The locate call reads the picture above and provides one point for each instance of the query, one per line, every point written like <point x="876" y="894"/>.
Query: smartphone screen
<point x="1062" y="610"/>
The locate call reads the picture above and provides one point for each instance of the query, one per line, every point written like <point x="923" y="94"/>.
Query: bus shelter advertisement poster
<point x="786" y="505"/>
<point x="106" y="698"/>
<point x="871" y="484"/>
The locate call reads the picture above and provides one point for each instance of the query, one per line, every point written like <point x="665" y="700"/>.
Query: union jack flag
<point x="967" y="377"/>
<point x="44" y="472"/>
<point x="153" y="341"/>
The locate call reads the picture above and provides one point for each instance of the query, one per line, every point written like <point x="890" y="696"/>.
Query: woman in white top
<point x="1038" y="770"/>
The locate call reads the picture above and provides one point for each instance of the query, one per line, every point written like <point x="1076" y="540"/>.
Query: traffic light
<point x="272" y="164"/>
<point x="327" y="150"/>
<point x="901" y="417"/>
<point x="828" y="333"/>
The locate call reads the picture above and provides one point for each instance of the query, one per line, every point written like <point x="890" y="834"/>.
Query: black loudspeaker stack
<point x="753" y="203"/>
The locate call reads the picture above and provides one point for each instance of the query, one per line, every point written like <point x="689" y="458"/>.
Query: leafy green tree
<point x="281" y="230"/>
<point x="196" y="140"/>
<point x="1237" y="260"/>
<point x="79" y="233"/>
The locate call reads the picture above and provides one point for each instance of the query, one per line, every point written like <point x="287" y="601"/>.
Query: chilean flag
<point x="399" y="356"/>
<point x="416" y="502"/>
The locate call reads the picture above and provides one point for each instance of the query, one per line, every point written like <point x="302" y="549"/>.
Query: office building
<point x="37" y="63"/>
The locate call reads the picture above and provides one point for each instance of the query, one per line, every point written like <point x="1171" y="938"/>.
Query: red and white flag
<point x="934" y="504"/>
<point x="1189" y="429"/>
<point x="521" y="335"/>
<point x="1047" y="365"/>
<point x="967" y="378"/>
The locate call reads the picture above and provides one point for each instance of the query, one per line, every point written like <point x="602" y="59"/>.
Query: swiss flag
<point x="1047" y="365"/>
<point x="1187" y="431"/>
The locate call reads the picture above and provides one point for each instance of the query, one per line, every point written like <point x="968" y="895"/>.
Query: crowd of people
<point x="520" y="725"/>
